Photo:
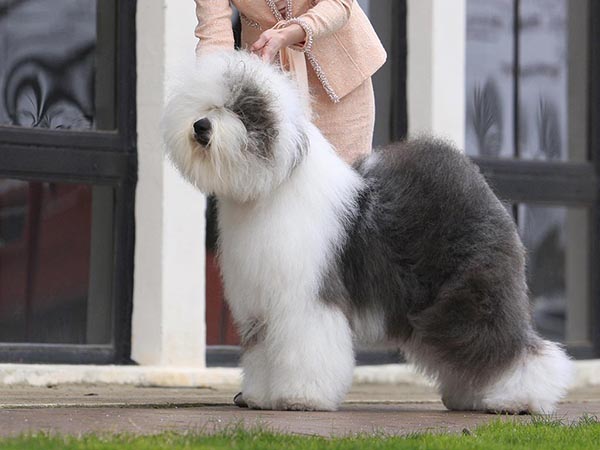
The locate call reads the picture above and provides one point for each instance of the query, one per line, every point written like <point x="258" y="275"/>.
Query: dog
<point x="408" y="246"/>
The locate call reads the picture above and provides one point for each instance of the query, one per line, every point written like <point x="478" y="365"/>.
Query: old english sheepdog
<point x="409" y="246"/>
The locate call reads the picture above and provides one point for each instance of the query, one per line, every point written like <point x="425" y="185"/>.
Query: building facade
<point x="103" y="250"/>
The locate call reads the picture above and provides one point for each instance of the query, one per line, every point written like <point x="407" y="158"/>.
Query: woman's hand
<point x="271" y="41"/>
<point x="268" y="44"/>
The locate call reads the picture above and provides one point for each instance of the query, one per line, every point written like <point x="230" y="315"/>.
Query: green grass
<point x="539" y="433"/>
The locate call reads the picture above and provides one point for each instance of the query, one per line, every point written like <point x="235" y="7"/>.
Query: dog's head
<point x="235" y="127"/>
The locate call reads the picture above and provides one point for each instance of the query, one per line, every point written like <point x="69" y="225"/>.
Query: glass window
<point x="549" y="50"/>
<point x="489" y="78"/>
<point x="543" y="80"/>
<point x="55" y="252"/>
<point x="557" y="241"/>
<point x="51" y="75"/>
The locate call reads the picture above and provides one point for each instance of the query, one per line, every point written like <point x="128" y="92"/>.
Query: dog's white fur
<point x="284" y="232"/>
<point x="285" y="240"/>
<point x="226" y="170"/>
<point x="279" y="221"/>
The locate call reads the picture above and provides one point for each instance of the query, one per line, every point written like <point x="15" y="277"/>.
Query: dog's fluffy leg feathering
<point x="534" y="383"/>
<point x="310" y="367"/>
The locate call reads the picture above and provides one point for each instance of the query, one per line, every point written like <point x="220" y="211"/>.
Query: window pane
<point x="49" y="53"/>
<point x="489" y="78"/>
<point x="552" y="83"/>
<point x="543" y="80"/>
<point x="51" y="241"/>
<point x="557" y="240"/>
<point x="553" y="80"/>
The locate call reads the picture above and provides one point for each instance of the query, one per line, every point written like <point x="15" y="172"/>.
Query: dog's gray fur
<point x="435" y="250"/>
<point x="254" y="108"/>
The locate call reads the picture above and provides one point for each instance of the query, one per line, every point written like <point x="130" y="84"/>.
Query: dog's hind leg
<point x="478" y="342"/>
<point x="534" y="383"/>
<point x="311" y="358"/>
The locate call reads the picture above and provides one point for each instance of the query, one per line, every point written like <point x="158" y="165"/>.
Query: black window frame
<point x="571" y="184"/>
<point x="106" y="158"/>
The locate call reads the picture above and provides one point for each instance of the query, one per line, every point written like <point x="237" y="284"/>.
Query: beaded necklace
<point x="277" y="14"/>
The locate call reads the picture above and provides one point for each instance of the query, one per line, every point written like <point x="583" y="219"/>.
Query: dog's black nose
<point x="202" y="131"/>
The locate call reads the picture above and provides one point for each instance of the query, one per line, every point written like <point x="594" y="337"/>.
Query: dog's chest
<point x="273" y="252"/>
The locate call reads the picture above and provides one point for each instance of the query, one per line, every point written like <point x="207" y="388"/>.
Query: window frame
<point x="96" y="157"/>
<point x="594" y="148"/>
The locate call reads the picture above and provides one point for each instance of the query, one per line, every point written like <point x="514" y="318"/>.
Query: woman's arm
<point x="274" y="39"/>
<point x="327" y="16"/>
<point x="214" y="25"/>
<point x="324" y="18"/>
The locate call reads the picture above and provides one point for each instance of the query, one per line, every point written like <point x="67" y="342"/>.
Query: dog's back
<point x="427" y="218"/>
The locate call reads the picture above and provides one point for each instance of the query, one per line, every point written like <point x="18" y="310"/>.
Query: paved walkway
<point x="390" y="409"/>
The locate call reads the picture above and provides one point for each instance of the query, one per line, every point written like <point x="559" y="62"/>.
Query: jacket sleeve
<point x="214" y="29"/>
<point x="327" y="16"/>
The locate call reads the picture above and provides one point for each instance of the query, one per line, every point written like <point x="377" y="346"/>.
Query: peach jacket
<point x="341" y="46"/>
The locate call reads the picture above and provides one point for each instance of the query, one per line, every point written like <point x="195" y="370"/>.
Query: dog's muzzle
<point x="202" y="129"/>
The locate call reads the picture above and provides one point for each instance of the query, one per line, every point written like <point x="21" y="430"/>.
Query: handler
<point x="329" y="46"/>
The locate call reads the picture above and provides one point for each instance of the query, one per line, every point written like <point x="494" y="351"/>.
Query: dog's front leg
<point x="254" y="362"/>
<point x="310" y="357"/>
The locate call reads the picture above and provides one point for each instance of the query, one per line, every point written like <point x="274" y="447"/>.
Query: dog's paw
<point x="240" y="401"/>
<point x="245" y="400"/>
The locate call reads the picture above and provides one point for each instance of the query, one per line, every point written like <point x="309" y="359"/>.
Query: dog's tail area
<point x="535" y="383"/>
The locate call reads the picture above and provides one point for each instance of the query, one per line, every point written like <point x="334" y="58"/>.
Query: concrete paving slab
<point x="389" y="419"/>
<point x="389" y="409"/>
<point x="129" y="396"/>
